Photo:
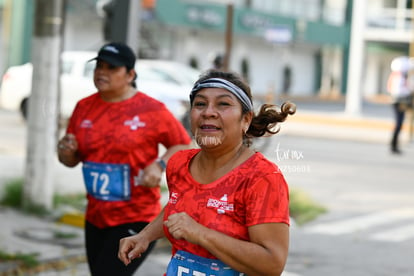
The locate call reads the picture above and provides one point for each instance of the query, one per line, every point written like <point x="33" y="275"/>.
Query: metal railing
<point x="390" y="18"/>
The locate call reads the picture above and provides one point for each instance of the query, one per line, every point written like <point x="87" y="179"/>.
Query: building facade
<point x="293" y="47"/>
<point x="281" y="47"/>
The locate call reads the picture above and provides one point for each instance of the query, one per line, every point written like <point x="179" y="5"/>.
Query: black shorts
<point x="102" y="249"/>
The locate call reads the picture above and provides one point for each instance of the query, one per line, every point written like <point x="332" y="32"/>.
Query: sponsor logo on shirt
<point x="221" y="205"/>
<point x="135" y="123"/>
<point x="86" y="124"/>
<point x="173" y="198"/>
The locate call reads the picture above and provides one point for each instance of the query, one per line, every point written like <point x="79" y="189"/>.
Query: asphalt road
<point x="369" y="193"/>
<point x="369" y="228"/>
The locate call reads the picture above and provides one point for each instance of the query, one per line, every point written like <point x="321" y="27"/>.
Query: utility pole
<point x="43" y="104"/>
<point x="228" y="37"/>
<point x="133" y="30"/>
<point x="353" y="104"/>
<point x="411" y="54"/>
<point x="122" y="22"/>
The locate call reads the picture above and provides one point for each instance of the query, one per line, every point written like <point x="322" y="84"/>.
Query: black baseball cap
<point x="117" y="54"/>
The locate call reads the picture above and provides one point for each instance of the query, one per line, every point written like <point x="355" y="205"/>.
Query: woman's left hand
<point x="152" y="176"/>
<point x="182" y="226"/>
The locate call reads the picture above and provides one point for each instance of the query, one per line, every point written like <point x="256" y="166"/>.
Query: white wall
<point x="266" y="61"/>
<point x="376" y="71"/>
<point x="303" y="74"/>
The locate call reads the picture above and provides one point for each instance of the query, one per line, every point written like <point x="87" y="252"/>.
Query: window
<point x="245" y="68"/>
<point x="67" y="66"/>
<point x="89" y="68"/>
<point x="305" y="9"/>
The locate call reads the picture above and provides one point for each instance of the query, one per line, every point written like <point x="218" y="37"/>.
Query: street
<point x="369" y="193"/>
<point x="369" y="229"/>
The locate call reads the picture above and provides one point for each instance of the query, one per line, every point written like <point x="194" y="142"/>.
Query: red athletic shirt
<point x="126" y="132"/>
<point x="253" y="193"/>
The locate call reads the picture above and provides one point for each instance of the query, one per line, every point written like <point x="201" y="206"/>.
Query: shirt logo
<point x="86" y="124"/>
<point x="135" y="123"/>
<point x="111" y="49"/>
<point x="173" y="198"/>
<point x="221" y="205"/>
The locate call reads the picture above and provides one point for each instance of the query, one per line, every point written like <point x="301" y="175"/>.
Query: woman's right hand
<point x="67" y="149"/>
<point x="68" y="144"/>
<point x="132" y="247"/>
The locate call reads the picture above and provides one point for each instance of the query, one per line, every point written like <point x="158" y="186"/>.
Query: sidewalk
<point x="61" y="255"/>
<point x="58" y="247"/>
<point x="329" y="120"/>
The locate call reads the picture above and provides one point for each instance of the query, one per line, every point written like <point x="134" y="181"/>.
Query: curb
<point x="344" y="121"/>
<point x="344" y="127"/>
<point x="74" y="219"/>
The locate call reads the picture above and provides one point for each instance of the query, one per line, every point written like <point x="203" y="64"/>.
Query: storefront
<point x="276" y="54"/>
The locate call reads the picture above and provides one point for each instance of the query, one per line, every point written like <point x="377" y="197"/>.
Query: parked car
<point x="167" y="81"/>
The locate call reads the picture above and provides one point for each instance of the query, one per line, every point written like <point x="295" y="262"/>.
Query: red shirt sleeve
<point x="273" y="194"/>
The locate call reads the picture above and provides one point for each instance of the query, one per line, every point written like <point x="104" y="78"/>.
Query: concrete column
<point x="124" y="23"/>
<point x="43" y="105"/>
<point x="353" y="104"/>
<point x="132" y="36"/>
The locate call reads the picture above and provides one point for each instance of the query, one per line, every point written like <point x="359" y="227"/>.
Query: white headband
<point x="222" y="83"/>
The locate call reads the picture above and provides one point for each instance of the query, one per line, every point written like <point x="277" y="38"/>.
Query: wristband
<point x="161" y="163"/>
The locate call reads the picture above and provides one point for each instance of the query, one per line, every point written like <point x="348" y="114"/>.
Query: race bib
<point x="184" y="263"/>
<point x="108" y="182"/>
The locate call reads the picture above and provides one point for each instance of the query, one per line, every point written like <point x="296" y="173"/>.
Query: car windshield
<point x="180" y="73"/>
<point x="169" y="71"/>
<point x="157" y="71"/>
<point x="153" y="74"/>
<point x="67" y="66"/>
<point x="88" y="71"/>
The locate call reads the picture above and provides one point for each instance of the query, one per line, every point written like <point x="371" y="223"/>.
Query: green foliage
<point x="13" y="193"/>
<point x="13" y="196"/>
<point x="64" y="235"/>
<point x="35" y="209"/>
<point x="28" y="260"/>
<point x="77" y="201"/>
<point x="302" y="208"/>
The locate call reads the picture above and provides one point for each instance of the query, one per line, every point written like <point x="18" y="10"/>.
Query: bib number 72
<point x="102" y="180"/>
<point x="110" y="182"/>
